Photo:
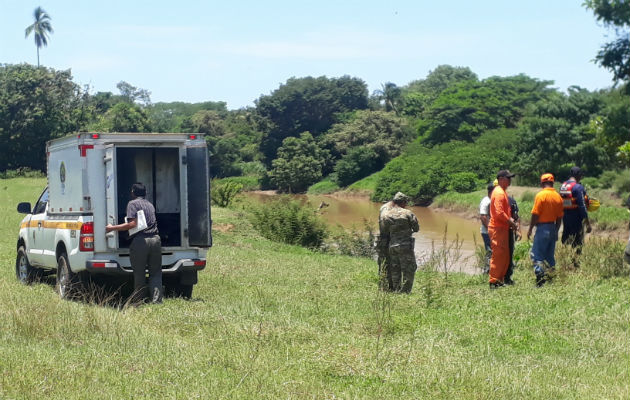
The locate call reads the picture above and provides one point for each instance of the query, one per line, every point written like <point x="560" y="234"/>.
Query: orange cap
<point x="546" y="178"/>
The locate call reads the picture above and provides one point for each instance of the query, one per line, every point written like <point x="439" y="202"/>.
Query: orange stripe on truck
<point x="53" y="225"/>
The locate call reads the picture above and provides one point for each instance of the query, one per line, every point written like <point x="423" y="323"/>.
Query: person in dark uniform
<point x="575" y="218"/>
<point x="145" y="251"/>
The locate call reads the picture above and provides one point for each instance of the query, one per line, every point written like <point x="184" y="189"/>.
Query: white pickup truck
<point x="89" y="181"/>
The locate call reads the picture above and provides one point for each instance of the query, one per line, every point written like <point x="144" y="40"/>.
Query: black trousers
<point x="145" y="253"/>
<point x="511" y="240"/>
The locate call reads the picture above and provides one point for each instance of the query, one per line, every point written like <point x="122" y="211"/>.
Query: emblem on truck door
<point x="62" y="177"/>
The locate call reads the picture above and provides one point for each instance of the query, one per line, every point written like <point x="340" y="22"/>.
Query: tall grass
<point x="270" y="320"/>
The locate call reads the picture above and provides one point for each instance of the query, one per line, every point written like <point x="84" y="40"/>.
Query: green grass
<point x="366" y="184"/>
<point x="325" y="186"/>
<point x="273" y="321"/>
<point x="249" y="182"/>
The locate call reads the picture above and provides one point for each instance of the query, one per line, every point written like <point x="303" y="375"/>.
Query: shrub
<point x="353" y="242"/>
<point x="24" y="172"/>
<point x="287" y="221"/>
<point x="621" y="182"/>
<point x="251" y="168"/>
<point x="249" y="182"/>
<point x="463" y="182"/>
<point x="595" y="183"/>
<point x="357" y="164"/>
<point x="222" y="194"/>
<point x="323" y="187"/>
<point x="603" y="257"/>
<point x="528" y="196"/>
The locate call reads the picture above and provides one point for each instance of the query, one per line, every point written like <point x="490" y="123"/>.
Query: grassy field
<point x="273" y="321"/>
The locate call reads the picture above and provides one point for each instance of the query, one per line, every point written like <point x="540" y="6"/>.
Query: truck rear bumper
<point x="112" y="267"/>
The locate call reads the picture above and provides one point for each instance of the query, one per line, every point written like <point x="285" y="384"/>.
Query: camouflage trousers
<point x="402" y="267"/>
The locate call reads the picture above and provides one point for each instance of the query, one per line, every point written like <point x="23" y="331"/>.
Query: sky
<point x="235" y="51"/>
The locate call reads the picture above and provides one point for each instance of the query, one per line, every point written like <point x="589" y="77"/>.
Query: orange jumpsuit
<point x="499" y="229"/>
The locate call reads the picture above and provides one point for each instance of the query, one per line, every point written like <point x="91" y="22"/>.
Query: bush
<point x="603" y="257"/>
<point x="222" y="194"/>
<point x="323" y="187"/>
<point x="621" y="182"/>
<point x="463" y="182"/>
<point x="24" y="172"/>
<point x="528" y="196"/>
<point x="353" y="242"/>
<point x="287" y="221"/>
<point x="249" y="182"/>
<point x="357" y="164"/>
<point x="594" y="183"/>
<point x="251" y="168"/>
<point x="424" y="173"/>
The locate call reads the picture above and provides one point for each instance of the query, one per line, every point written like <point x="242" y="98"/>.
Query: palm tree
<point x="41" y="27"/>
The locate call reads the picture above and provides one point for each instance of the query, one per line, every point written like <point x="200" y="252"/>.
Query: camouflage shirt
<point x="398" y="224"/>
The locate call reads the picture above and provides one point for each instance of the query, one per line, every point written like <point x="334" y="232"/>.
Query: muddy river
<point x="438" y="230"/>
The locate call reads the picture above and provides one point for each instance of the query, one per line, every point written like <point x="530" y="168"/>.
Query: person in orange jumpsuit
<point x="499" y="229"/>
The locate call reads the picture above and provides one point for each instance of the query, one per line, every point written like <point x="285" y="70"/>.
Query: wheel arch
<point x="59" y="249"/>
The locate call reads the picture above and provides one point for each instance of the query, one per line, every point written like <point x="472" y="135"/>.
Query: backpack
<point x="568" y="201"/>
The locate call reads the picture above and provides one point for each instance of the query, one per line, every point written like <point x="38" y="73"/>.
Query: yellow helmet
<point x="593" y="205"/>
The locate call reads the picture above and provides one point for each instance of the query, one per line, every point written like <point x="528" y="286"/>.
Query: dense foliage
<point x="423" y="172"/>
<point x="307" y="104"/>
<point x="298" y="165"/>
<point x="36" y="105"/>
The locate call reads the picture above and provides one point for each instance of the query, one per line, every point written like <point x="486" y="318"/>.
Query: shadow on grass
<point x="103" y="291"/>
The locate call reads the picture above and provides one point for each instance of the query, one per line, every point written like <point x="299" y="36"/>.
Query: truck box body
<point x="89" y="181"/>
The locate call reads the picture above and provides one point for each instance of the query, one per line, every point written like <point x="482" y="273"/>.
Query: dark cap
<point x="504" y="173"/>
<point x="576" y="171"/>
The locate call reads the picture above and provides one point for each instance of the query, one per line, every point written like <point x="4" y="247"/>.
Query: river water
<point x="438" y="229"/>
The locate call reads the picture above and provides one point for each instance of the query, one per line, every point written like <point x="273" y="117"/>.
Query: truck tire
<point x="173" y="289"/>
<point x="185" y="291"/>
<point x="67" y="281"/>
<point x="24" y="271"/>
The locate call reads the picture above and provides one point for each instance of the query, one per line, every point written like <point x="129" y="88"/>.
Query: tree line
<point x="447" y="131"/>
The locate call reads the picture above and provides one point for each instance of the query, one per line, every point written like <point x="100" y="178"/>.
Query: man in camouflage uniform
<point x="396" y="225"/>
<point x="381" y="245"/>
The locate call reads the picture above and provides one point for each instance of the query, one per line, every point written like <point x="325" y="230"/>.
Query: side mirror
<point x="24" y="208"/>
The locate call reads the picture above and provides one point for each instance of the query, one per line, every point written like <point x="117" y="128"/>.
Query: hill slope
<point x="274" y="321"/>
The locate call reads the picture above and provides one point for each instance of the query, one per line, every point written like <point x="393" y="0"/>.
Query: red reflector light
<point x="192" y="137"/>
<point x="87" y="228"/>
<point x="98" y="265"/>
<point x="200" y="263"/>
<point x="95" y="135"/>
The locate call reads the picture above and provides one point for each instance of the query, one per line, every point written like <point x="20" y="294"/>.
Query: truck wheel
<point x="67" y="281"/>
<point x="24" y="271"/>
<point x="185" y="291"/>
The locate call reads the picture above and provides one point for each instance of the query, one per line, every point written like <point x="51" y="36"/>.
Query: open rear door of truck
<point x="111" y="195"/>
<point x="198" y="182"/>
